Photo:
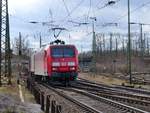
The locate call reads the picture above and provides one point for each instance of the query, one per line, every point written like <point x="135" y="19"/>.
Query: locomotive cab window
<point x="57" y="52"/>
<point x="63" y="52"/>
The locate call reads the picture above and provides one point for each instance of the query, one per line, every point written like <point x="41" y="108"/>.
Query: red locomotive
<point x="56" y="63"/>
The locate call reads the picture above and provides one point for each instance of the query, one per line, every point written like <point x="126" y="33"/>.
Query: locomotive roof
<point x="61" y="45"/>
<point x="46" y="47"/>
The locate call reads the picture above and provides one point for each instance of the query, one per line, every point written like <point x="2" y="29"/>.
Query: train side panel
<point x="32" y="64"/>
<point x="40" y="67"/>
<point x="49" y="63"/>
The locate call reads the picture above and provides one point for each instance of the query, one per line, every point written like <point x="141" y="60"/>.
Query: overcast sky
<point x="24" y="11"/>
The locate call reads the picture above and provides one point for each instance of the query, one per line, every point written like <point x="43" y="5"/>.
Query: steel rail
<point x="132" y="97"/>
<point x="111" y="102"/>
<point x="124" y="99"/>
<point x="140" y="91"/>
<point x="83" y="105"/>
<point x="122" y="96"/>
<point x="118" y="96"/>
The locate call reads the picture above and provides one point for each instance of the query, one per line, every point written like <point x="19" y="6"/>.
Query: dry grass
<point x="28" y="97"/>
<point x="13" y="90"/>
<point x="10" y="89"/>
<point x="101" y="79"/>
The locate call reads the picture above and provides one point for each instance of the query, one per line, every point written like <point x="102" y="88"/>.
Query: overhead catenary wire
<point x="19" y="19"/>
<point x="103" y="7"/>
<point x="51" y="14"/>
<point x="72" y="11"/>
<point x="69" y="12"/>
<point x="99" y="3"/>
<point x="76" y="7"/>
<point x="89" y="10"/>
<point x="111" y="2"/>
<point x="66" y="7"/>
<point x="132" y="11"/>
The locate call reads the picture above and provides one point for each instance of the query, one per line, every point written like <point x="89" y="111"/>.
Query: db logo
<point x="63" y="64"/>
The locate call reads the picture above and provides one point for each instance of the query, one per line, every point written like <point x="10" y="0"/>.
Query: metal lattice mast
<point x="94" y="43"/>
<point x="5" y="40"/>
<point x="0" y="41"/>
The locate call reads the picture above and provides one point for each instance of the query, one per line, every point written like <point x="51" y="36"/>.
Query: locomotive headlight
<point x="71" y="63"/>
<point x="54" y="69"/>
<point x="72" y="68"/>
<point x="55" y="64"/>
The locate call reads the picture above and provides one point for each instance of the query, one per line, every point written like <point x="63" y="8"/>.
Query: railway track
<point x="135" y="100"/>
<point x="112" y="92"/>
<point x="117" y="90"/>
<point x="123" y="97"/>
<point x="79" y="103"/>
<point x="119" y="106"/>
<point x="111" y="102"/>
<point x="114" y="87"/>
<point x="135" y="90"/>
<point x="102" y="96"/>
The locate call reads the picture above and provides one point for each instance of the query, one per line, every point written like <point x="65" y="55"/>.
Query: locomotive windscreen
<point x="63" y="52"/>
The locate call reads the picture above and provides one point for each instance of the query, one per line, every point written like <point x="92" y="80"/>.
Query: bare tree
<point x="21" y="45"/>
